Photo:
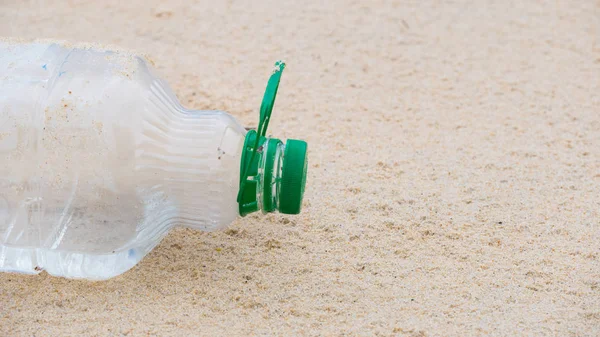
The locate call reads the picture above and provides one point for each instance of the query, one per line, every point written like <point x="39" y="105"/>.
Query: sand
<point x="453" y="183"/>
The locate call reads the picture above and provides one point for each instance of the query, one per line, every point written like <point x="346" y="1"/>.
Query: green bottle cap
<point x="272" y="175"/>
<point x="293" y="177"/>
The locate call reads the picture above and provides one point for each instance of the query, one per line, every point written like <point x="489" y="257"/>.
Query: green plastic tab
<point x="272" y="174"/>
<point x="252" y="140"/>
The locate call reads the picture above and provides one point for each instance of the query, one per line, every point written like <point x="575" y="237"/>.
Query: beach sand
<point x="454" y="176"/>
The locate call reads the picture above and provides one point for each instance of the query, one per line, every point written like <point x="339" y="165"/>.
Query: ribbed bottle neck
<point x="183" y="152"/>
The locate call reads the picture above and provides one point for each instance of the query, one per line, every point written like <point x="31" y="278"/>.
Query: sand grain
<point x="453" y="180"/>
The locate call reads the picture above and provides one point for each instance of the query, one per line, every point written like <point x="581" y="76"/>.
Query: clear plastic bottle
<point x="98" y="160"/>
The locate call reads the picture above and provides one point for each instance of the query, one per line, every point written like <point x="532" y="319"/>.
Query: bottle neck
<point x="270" y="170"/>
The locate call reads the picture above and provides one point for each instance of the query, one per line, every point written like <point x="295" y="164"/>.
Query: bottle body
<point x="98" y="160"/>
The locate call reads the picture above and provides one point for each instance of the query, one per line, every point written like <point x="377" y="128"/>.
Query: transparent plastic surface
<point x="98" y="160"/>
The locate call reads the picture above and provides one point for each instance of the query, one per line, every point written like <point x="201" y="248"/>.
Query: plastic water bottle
<point x="98" y="160"/>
